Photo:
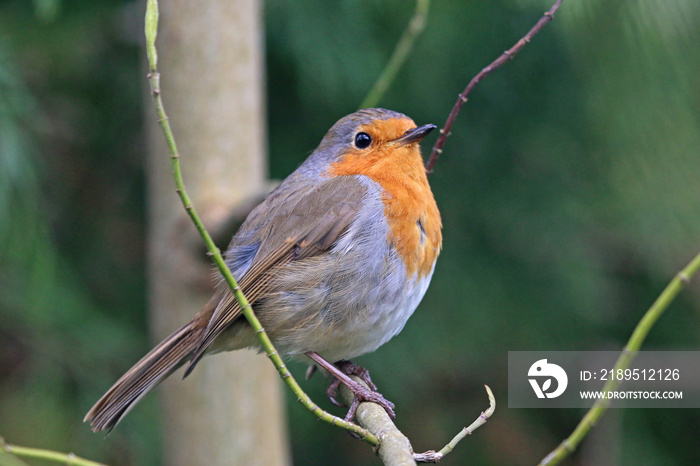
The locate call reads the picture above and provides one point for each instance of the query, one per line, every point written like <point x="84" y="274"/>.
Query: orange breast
<point x="409" y="206"/>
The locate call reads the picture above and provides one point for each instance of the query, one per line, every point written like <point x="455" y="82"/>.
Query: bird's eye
<point x="362" y="140"/>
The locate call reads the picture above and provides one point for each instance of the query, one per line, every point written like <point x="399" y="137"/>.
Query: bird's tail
<point x="159" y="363"/>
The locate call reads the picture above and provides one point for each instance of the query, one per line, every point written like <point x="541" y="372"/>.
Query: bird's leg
<point x="360" y="392"/>
<point x="310" y="371"/>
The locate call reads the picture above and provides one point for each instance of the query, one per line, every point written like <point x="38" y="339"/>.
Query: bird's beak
<point x="415" y="134"/>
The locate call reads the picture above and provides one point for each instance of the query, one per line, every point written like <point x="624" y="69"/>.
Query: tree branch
<point x="462" y="98"/>
<point x="151" y="30"/>
<point x="628" y="353"/>
<point x="47" y="455"/>
<point x="394" y="448"/>
<point x="403" y="47"/>
<point x="432" y="456"/>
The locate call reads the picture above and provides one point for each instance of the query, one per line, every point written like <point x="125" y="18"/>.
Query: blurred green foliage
<point x="569" y="192"/>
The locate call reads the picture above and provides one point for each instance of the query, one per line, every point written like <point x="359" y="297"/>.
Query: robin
<point x="334" y="261"/>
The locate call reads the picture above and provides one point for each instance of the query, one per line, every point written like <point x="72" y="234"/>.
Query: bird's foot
<point x="360" y="392"/>
<point x="341" y="372"/>
<point x="350" y="368"/>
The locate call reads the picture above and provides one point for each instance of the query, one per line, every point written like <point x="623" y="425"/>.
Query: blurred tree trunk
<point x="230" y="410"/>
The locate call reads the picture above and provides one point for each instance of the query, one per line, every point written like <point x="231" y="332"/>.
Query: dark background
<point x="570" y="195"/>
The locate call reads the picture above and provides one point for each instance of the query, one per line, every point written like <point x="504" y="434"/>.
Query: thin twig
<point x="626" y="356"/>
<point x="403" y="47"/>
<point x="432" y="456"/>
<point x="151" y="28"/>
<point x="68" y="459"/>
<point x="462" y="98"/>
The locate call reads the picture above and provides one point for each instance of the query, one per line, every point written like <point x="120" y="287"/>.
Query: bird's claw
<point x="332" y="392"/>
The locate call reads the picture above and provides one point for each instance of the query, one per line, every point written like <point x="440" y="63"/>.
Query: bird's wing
<point x="297" y="228"/>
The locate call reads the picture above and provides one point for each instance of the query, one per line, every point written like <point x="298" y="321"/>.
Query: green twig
<point x="151" y="28"/>
<point x="434" y="457"/>
<point x="628" y="353"/>
<point x="403" y="47"/>
<point x="48" y="455"/>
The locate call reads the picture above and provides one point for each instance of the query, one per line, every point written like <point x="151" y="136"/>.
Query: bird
<point x="334" y="261"/>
